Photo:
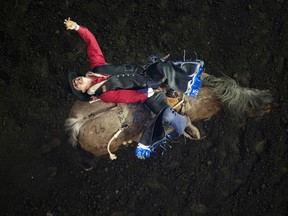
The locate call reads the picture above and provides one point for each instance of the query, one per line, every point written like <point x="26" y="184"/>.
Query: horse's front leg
<point x="191" y="131"/>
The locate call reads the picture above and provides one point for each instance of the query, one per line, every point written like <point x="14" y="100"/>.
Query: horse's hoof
<point x="87" y="167"/>
<point x="191" y="131"/>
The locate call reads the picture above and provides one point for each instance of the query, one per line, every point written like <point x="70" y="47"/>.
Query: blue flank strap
<point x="195" y="83"/>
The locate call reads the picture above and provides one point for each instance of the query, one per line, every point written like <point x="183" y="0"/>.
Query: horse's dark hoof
<point x="87" y="167"/>
<point x="191" y="132"/>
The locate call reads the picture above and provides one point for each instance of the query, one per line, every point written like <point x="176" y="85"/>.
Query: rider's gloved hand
<point x="71" y="25"/>
<point x="142" y="151"/>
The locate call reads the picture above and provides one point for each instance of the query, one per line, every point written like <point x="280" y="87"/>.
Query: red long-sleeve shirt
<point x="96" y="58"/>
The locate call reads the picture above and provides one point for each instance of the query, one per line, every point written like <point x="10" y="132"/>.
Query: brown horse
<point x="100" y="128"/>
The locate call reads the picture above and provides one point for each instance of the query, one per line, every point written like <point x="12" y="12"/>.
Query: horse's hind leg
<point x="86" y="158"/>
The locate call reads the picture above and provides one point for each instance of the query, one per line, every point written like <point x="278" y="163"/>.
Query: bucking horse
<point x="100" y="128"/>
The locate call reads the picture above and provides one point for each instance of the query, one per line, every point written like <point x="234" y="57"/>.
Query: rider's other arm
<point x="123" y="96"/>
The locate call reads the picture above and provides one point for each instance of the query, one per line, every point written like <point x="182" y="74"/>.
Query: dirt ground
<point x="235" y="170"/>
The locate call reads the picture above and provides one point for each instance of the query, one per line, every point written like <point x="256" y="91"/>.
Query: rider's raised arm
<point x="93" y="50"/>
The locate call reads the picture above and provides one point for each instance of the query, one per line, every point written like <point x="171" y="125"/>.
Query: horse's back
<point x="96" y="132"/>
<point x="81" y="109"/>
<point x="104" y="120"/>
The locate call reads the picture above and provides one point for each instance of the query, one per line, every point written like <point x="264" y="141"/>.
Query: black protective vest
<point x="122" y="77"/>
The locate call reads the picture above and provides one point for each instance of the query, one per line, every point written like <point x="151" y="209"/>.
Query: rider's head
<point x="79" y="85"/>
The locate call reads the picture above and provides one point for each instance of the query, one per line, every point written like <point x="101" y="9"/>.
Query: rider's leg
<point x="184" y="77"/>
<point x="155" y="131"/>
<point x="157" y="103"/>
<point x="175" y="120"/>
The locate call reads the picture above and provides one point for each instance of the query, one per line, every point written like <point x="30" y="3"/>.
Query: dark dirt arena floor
<point x="235" y="170"/>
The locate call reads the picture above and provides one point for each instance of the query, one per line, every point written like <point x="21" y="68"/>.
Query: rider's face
<point x="81" y="83"/>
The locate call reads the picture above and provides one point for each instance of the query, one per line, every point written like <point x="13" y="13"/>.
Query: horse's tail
<point x="72" y="127"/>
<point x="237" y="99"/>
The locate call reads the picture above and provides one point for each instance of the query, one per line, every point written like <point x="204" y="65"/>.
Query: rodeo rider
<point x="129" y="84"/>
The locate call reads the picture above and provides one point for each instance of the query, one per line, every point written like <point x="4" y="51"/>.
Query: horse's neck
<point x="202" y="107"/>
<point x="188" y="109"/>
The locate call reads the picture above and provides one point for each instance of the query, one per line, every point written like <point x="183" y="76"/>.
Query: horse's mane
<point x="236" y="99"/>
